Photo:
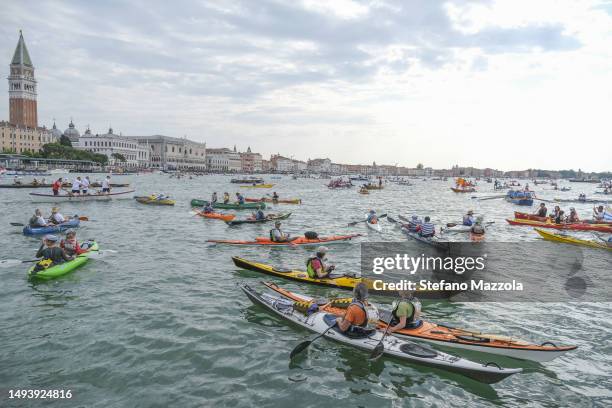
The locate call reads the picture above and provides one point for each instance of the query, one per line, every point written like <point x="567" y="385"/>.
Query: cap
<point x="322" y="250"/>
<point x="277" y="223"/>
<point x="50" y="237"/>
<point x="55" y="209"/>
<point x="471" y="212"/>
<point x="70" y="232"/>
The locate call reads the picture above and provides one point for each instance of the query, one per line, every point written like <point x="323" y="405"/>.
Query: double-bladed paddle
<point x="304" y="345"/>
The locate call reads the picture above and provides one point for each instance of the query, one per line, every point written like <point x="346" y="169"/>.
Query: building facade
<point x="173" y="153"/>
<point x="22" y="88"/>
<point x="223" y="159"/>
<point x="19" y="139"/>
<point x="115" y="147"/>
<point x="281" y="164"/>
<point x="250" y="162"/>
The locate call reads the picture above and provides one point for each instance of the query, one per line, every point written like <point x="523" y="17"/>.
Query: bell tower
<point x="22" y="88"/>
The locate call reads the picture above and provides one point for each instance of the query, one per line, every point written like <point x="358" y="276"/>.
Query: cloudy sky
<point x="504" y="84"/>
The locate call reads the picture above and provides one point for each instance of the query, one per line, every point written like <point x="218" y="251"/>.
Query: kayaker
<point x="468" y="219"/>
<point x="209" y="209"/>
<point x="542" y="211"/>
<point x="50" y="253"/>
<point x="76" y="185"/>
<point x="70" y="244"/>
<point x="34" y="182"/>
<point x="360" y="317"/>
<point x="275" y="196"/>
<point x="57" y="185"/>
<point x="259" y="215"/>
<point x="598" y="213"/>
<point x="214" y="197"/>
<point x="427" y="229"/>
<point x="226" y="198"/>
<point x="582" y="197"/>
<point x="37" y="220"/>
<point x="526" y="187"/>
<point x="478" y="228"/>
<point x="573" y="216"/>
<point x="315" y="267"/>
<point x="555" y="214"/>
<point x="406" y="312"/>
<point x="372" y="218"/>
<point x="106" y="187"/>
<point x="85" y="185"/>
<point x="56" y="217"/>
<point x="560" y="217"/>
<point x="239" y="198"/>
<point x="277" y="235"/>
<point x="415" y="223"/>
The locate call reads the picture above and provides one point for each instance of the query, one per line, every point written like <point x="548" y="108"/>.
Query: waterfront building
<point x="72" y="133"/>
<point x="173" y="153"/>
<point x="116" y="148"/>
<point x="281" y="164"/>
<point x="19" y="139"/>
<point x="250" y="162"/>
<point x="319" y="166"/>
<point x="223" y="159"/>
<point x="300" y="166"/>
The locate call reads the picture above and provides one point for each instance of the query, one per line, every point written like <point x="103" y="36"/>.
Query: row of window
<point x="99" y="143"/>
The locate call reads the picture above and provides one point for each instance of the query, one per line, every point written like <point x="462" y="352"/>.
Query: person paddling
<point x="275" y="197"/>
<point x="478" y="228"/>
<point x="259" y="215"/>
<point x="573" y="216"/>
<point x="57" y="185"/>
<point x="372" y="218"/>
<point x="76" y="186"/>
<point x="315" y="267"/>
<point x="85" y="185"/>
<point x="360" y="317"/>
<point x="209" y="209"/>
<point x="226" y="198"/>
<point x="56" y="217"/>
<point x="213" y="199"/>
<point x="468" y="219"/>
<point x="599" y="213"/>
<point x="277" y="235"/>
<point x="70" y="244"/>
<point x="542" y="211"/>
<point x="239" y="198"/>
<point x="37" y="220"/>
<point x="50" y="253"/>
<point x="427" y="229"/>
<point x="106" y="187"/>
<point x="406" y="312"/>
<point x="415" y="223"/>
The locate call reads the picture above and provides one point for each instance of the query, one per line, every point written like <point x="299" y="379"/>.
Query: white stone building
<point x="173" y="153"/>
<point x="112" y="145"/>
<point x="223" y="159"/>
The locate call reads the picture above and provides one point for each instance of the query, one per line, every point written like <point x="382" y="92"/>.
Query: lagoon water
<point x="161" y="322"/>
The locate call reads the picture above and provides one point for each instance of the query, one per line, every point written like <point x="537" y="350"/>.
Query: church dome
<point x="72" y="133"/>
<point x="55" y="132"/>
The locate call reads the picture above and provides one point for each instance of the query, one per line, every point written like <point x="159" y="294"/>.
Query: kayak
<point x="229" y="206"/>
<point x="64" y="268"/>
<point x="374" y="226"/>
<point x="575" y="227"/>
<point x="300" y="241"/>
<point x="259" y="186"/>
<point x="154" y="201"/>
<point x="269" y="217"/>
<point x="270" y="200"/>
<point x="525" y="216"/>
<point x="577" y="200"/>
<point x="320" y="322"/>
<point x="463" y="190"/>
<point x="431" y="241"/>
<point x="346" y="282"/>
<point x="247" y="181"/>
<point x="550" y="236"/>
<point x="217" y="216"/>
<point x="50" y="198"/>
<point x="50" y="229"/>
<point x="445" y="335"/>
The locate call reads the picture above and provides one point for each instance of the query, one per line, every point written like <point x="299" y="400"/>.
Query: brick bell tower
<point x="22" y="88"/>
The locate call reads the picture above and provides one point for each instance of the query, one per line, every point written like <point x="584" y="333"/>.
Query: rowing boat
<point x="50" y="198"/>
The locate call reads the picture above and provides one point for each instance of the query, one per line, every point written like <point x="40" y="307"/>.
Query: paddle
<point x="7" y="263"/>
<point x="350" y="224"/>
<point x="452" y="224"/>
<point x="380" y="347"/>
<point x="304" y="345"/>
<point x="488" y="197"/>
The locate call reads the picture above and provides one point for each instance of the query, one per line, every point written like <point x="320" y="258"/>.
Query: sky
<point x="502" y="84"/>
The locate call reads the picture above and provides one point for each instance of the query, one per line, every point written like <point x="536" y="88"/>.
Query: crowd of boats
<point x="355" y="320"/>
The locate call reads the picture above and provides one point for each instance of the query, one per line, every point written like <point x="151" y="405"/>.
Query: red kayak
<point x="533" y="217"/>
<point x="574" y="227"/>
<point x="300" y="241"/>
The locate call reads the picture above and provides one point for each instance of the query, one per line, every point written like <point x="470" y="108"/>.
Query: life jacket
<point x="69" y="246"/>
<point x="43" y="264"/>
<point x="34" y="222"/>
<point x="310" y="270"/>
<point x="411" y="321"/>
<point x="272" y="238"/>
<point x="467" y="220"/>
<point x="371" y="314"/>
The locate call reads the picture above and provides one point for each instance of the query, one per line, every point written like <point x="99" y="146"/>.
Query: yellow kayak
<point x="550" y="236"/>
<point x="153" y="201"/>
<point x="259" y="186"/>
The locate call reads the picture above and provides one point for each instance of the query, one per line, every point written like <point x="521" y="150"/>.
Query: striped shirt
<point x="427" y="229"/>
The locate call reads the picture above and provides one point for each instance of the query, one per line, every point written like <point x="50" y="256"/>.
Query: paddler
<point x="360" y="317"/>
<point x="468" y="219"/>
<point x="582" y="197"/>
<point x="415" y="223"/>
<point x="50" y="253"/>
<point x="37" y="220"/>
<point x="573" y="216"/>
<point x="57" y="185"/>
<point x="85" y="185"/>
<point x="209" y="209"/>
<point x="542" y="211"/>
<point x="478" y="228"/>
<point x="406" y="312"/>
<point x="56" y="217"/>
<point x="598" y="213"/>
<point x="315" y="267"/>
<point x="372" y="218"/>
<point x="16" y="181"/>
<point x="239" y="198"/>
<point x="213" y="199"/>
<point x="226" y="198"/>
<point x="427" y="229"/>
<point x="277" y="235"/>
<point x="70" y="244"/>
<point x="560" y="217"/>
<point x="34" y="182"/>
<point x="106" y="187"/>
<point x="259" y="215"/>
<point x="76" y="185"/>
<point x="275" y="197"/>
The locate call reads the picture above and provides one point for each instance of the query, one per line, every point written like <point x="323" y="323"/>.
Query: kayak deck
<point x="301" y="241"/>
<point x="550" y="236"/>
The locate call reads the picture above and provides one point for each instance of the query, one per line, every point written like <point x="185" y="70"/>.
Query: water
<point x="162" y="322"/>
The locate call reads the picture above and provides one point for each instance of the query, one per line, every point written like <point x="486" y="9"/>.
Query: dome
<point x="55" y="132"/>
<point x="72" y="133"/>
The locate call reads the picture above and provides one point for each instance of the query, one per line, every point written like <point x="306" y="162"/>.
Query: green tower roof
<point x="21" y="56"/>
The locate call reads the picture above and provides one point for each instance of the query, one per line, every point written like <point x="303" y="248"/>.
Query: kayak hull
<point x="341" y="282"/>
<point x="463" y="190"/>
<point x="455" y="337"/>
<point x="300" y="241"/>
<point x="50" y="198"/>
<point x="269" y="200"/>
<point x="152" y="201"/>
<point x="64" y="268"/>
<point x="549" y="236"/>
<point x="72" y="223"/>
<point x="229" y="206"/>
<point x="267" y="219"/>
<point x="434" y="242"/>
<point x="217" y="216"/>
<point x="374" y="227"/>
<point x="574" y="227"/>
<point x="320" y="322"/>
<point x="259" y="186"/>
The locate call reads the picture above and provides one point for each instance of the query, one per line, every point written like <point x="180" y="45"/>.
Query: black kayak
<point x="252" y="221"/>
<point x="431" y="241"/>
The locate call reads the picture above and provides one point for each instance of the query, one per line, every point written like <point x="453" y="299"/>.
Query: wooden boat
<point x="50" y="198"/>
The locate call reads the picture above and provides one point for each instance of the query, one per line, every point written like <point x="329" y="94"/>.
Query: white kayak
<point x="375" y="227"/>
<point x="406" y="350"/>
<point x="50" y="198"/>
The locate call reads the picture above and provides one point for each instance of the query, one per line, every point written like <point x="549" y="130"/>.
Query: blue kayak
<point x="72" y="223"/>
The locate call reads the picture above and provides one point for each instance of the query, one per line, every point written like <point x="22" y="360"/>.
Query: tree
<point x="65" y="141"/>
<point x="118" y="157"/>
<point x="420" y="166"/>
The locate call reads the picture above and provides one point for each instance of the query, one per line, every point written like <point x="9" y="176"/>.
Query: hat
<point x="277" y="223"/>
<point x="51" y="238"/>
<point x="70" y="231"/>
<point x="322" y="250"/>
<point x="470" y="212"/>
<point x="55" y="209"/>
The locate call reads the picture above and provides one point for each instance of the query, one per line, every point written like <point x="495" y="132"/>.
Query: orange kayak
<point x="300" y="241"/>
<point x="217" y="216"/>
<point x="446" y="335"/>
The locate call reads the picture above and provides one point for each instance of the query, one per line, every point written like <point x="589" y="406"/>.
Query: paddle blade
<point x="299" y="348"/>
<point x="16" y="224"/>
<point x="7" y="263"/>
<point x="378" y="351"/>
<point x="83" y="218"/>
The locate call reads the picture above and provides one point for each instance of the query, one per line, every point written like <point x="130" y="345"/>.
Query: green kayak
<point x="64" y="268"/>
<point x="229" y="206"/>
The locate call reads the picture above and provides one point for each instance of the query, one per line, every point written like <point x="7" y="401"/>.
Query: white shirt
<point x="40" y="220"/>
<point x="59" y="218"/>
<point x="85" y="184"/>
<point x="76" y="185"/>
<point x="105" y="183"/>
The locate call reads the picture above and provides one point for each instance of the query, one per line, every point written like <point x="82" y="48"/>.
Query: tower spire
<point x="22" y="88"/>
